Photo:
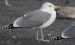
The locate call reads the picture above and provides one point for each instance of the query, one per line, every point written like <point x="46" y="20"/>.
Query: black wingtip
<point x="57" y="38"/>
<point x="8" y="26"/>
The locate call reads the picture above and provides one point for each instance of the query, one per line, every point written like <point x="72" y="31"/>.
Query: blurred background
<point x="28" y="36"/>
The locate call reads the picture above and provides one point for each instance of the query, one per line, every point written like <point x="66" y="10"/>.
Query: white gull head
<point x="48" y="5"/>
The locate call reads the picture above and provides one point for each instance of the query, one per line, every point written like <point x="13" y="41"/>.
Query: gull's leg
<point x="41" y="34"/>
<point x="42" y="37"/>
<point x="37" y="37"/>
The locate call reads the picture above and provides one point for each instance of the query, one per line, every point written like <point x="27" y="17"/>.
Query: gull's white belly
<point x="49" y="22"/>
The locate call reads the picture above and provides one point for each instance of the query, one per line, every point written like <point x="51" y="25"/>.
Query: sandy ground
<point x="28" y="36"/>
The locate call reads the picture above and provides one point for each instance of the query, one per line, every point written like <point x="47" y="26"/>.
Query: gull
<point x="68" y="33"/>
<point x="40" y="18"/>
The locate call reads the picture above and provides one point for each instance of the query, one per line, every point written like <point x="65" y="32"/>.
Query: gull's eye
<point x="50" y="6"/>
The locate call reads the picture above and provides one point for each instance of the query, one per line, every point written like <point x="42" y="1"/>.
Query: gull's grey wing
<point x="32" y="19"/>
